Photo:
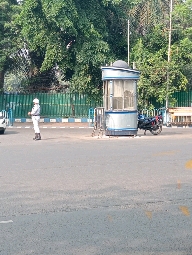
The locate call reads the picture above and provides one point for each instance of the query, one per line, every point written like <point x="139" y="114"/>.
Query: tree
<point x="78" y="36"/>
<point x="8" y="35"/>
<point x="150" y="52"/>
<point x="182" y="49"/>
<point x="145" y="15"/>
<point x="150" y="55"/>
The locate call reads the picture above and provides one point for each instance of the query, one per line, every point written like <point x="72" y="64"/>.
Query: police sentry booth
<point x="120" y="99"/>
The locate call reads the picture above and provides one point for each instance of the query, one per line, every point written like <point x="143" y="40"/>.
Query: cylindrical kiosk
<point x="120" y="99"/>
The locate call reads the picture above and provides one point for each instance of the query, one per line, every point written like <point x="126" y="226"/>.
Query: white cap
<point x="36" y="101"/>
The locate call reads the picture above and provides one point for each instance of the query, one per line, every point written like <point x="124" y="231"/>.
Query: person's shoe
<point x="36" y="135"/>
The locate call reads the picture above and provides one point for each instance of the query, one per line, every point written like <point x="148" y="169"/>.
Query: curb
<point x="54" y="120"/>
<point x="44" y="127"/>
<point x="79" y="127"/>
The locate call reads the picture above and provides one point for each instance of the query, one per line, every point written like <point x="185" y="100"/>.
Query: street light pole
<point x="128" y="41"/>
<point x="169" y="57"/>
<point x="170" y="30"/>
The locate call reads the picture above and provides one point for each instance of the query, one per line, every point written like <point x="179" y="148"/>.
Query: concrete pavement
<point x="74" y="194"/>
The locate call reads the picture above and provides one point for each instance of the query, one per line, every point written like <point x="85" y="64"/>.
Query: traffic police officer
<point x="35" y="114"/>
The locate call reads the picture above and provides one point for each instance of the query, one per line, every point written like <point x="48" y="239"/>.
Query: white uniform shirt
<point x="35" y="110"/>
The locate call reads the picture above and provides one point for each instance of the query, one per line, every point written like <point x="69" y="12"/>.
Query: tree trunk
<point x="1" y="80"/>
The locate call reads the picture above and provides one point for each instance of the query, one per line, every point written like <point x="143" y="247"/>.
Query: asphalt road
<point x="74" y="194"/>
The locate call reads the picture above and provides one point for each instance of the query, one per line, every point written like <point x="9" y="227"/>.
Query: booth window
<point x="129" y="95"/>
<point x="123" y="95"/>
<point x="106" y="93"/>
<point x="118" y="94"/>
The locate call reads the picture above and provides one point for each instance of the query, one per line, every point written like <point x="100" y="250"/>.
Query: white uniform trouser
<point x="35" y="120"/>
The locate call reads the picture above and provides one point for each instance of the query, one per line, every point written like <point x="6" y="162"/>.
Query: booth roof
<point x="121" y="64"/>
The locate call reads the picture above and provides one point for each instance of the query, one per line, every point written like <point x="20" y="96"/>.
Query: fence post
<point x="91" y="117"/>
<point x="10" y="116"/>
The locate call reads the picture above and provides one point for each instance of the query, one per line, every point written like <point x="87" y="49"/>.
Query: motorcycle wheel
<point x="157" y="130"/>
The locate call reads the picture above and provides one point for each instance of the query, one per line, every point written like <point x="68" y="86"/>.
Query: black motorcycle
<point x="153" y="124"/>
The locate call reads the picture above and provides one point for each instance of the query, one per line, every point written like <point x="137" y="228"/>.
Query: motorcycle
<point x="153" y="124"/>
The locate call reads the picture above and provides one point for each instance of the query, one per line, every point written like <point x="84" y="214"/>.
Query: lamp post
<point x="128" y="41"/>
<point x="169" y="58"/>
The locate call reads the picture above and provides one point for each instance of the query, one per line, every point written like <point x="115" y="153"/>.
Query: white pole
<point x="128" y="41"/>
<point x="169" y="57"/>
<point x="170" y="28"/>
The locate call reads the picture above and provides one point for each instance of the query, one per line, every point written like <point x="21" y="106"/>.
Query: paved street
<point x="74" y="194"/>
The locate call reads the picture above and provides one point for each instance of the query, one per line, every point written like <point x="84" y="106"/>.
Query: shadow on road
<point x="11" y="132"/>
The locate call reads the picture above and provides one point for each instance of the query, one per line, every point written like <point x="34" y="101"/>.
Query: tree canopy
<point x="42" y="39"/>
<point x="9" y="36"/>
<point x="77" y="36"/>
<point x="150" y="53"/>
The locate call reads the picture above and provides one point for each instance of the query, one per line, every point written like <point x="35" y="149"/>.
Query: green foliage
<point x="87" y="75"/>
<point x="78" y="36"/>
<point x="81" y="36"/>
<point x="182" y="48"/>
<point x="8" y="31"/>
<point x="14" y="82"/>
<point x="154" y="74"/>
<point x="8" y="35"/>
<point x="151" y="52"/>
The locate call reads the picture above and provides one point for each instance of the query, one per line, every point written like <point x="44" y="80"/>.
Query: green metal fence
<point x="52" y="105"/>
<point x="183" y="99"/>
<point x="55" y="105"/>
